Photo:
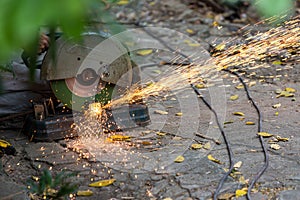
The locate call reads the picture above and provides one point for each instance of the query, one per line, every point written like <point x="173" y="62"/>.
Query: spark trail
<point x="248" y="55"/>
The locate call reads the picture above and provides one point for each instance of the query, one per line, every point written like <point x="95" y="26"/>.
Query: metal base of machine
<point x="49" y="124"/>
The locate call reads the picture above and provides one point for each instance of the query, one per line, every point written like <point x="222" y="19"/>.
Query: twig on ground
<point x="208" y="138"/>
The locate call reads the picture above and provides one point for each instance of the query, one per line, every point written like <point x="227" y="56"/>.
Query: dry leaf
<point x="122" y="2"/>
<point x="278" y="91"/>
<point x="211" y="158"/>
<point x="234" y="97"/>
<point x="102" y="183"/>
<point x="160" y="133"/>
<point x="119" y="137"/>
<point x="252" y="83"/>
<point x="282" y="139"/>
<point x="228" y="122"/>
<point x="277" y="105"/>
<point x="264" y="134"/>
<point x="242" y="180"/>
<point x="291" y="90"/>
<point x="168" y="198"/>
<point x="285" y="94"/>
<point x="179" y="159"/>
<point x="277" y="62"/>
<point x="161" y="112"/>
<point x="179" y="114"/>
<point x="220" y="47"/>
<point x="84" y="193"/>
<point x="190" y="31"/>
<point x="238" y="164"/>
<point x="239" y="113"/>
<point x="250" y="123"/>
<point x="275" y="146"/>
<point x="207" y="146"/>
<point x="240" y="193"/>
<point x="196" y="146"/>
<point x="240" y="86"/>
<point x="144" y="52"/>
<point x="200" y="86"/>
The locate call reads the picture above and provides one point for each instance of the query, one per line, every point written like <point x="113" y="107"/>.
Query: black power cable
<point x="230" y="153"/>
<point x="259" y="129"/>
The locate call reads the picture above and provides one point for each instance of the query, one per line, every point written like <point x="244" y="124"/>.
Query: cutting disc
<point x="76" y="96"/>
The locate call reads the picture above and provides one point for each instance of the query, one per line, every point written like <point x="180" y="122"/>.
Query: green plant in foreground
<point x="49" y="187"/>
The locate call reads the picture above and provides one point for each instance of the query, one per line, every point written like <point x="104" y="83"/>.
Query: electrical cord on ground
<point x="266" y="161"/>
<point x="230" y="153"/>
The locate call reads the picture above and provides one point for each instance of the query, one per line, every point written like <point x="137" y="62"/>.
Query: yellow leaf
<point x="278" y="91"/>
<point x="277" y="62"/>
<point x="179" y="114"/>
<point x="144" y="52"/>
<point x="179" y="159"/>
<point x="168" y="198"/>
<point x="84" y="193"/>
<point x="234" y="97"/>
<point x="200" y="86"/>
<point x="275" y="146"/>
<point x="119" y="137"/>
<point x="207" y="146"/>
<point x="276" y="113"/>
<point x="291" y="90"/>
<point x="102" y="183"/>
<point x="190" y="31"/>
<point x="228" y="122"/>
<point x="122" y="2"/>
<point x="196" y="146"/>
<point x="264" y="134"/>
<point x="250" y="123"/>
<point x="238" y="164"/>
<point x="194" y="44"/>
<point x="220" y="47"/>
<point x="240" y="193"/>
<point x="242" y="180"/>
<point x="285" y="94"/>
<point x="211" y="158"/>
<point x="277" y="105"/>
<point x="252" y="83"/>
<point x="160" y="133"/>
<point x="240" y="86"/>
<point x="161" y="112"/>
<point x="239" y="113"/>
<point x="282" y="139"/>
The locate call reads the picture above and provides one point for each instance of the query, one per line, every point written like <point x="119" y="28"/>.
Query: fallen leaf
<point x="250" y="123"/>
<point x="122" y="2"/>
<point x="160" y="133"/>
<point x="238" y="165"/>
<point x="168" y="198"/>
<point x="265" y="134"/>
<point x="277" y="62"/>
<point x="285" y="94"/>
<point x="239" y="86"/>
<point x="242" y="180"/>
<point x="240" y="193"/>
<point x="102" y="183"/>
<point x="179" y="114"/>
<point x="84" y="193"/>
<point x="161" y="112"/>
<point x="179" y="159"/>
<point x="275" y="146"/>
<point x="146" y="143"/>
<point x="277" y="105"/>
<point x="276" y="113"/>
<point x="119" y="137"/>
<point x="211" y="158"/>
<point x="196" y="146"/>
<point x="200" y="86"/>
<point x="252" y="83"/>
<point x="278" y="91"/>
<point x="194" y="44"/>
<point x="282" y="139"/>
<point x="238" y="113"/>
<point x="234" y="97"/>
<point x="177" y="138"/>
<point x="144" y="52"/>
<point x="207" y="146"/>
<point x="220" y="47"/>
<point x="190" y="31"/>
<point x="229" y="122"/>
<point x="291" y="90"/>
<point x="156" y="71"/>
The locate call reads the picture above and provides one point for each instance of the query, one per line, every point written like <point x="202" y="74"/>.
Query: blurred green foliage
<point x="275" y="10"/>
<point x="21" y="20"/>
